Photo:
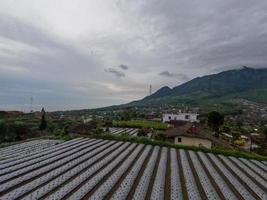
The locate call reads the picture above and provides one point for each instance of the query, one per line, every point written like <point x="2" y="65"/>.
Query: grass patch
<point x="141" y="124"/>
<point x="148" y="141"/>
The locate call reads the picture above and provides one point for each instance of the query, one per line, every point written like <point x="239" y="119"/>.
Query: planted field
<point x="26" y="148"/>
<point x="128" y="131"/>
<point x="103" y="169"/>
<point x="141" y="124"/>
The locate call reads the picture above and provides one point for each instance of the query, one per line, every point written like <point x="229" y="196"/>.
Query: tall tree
<point x="3" y="130"/>
<point x="43" y="123"/>
<point x="215" y="121"/>
<point x="265" y="133"/>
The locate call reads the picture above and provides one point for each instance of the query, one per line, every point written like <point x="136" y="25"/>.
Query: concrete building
<point x="189" y="117"/>
<point x="192" y="141"/>
<point x="188" y="134"/>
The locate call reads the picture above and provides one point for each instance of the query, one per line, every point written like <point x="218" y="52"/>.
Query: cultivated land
<point x="26" y="148"/>
<point x="141" y="124"/>
<point x="128" y="131"/>
<point x="104" y="169"/>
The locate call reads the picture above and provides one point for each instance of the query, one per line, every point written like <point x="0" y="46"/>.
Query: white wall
<point x="193" y="141"/>
<point x="190" y="117"/>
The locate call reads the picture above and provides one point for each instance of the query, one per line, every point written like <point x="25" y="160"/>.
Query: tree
<point x="107" y="130"/>
<point x="265" y="133"/>
<point x="59" y="132"/>
<point x="43" y="123"/>
<point x="51" y="127"/>
<point x="142" y="132"/>
<point x="226" y="129"/>
<point x="236" y="135"/>
<point x="98" y="131"/>
<point x="3" y="130"/>
<point x="215" y="121"/>
<point x="239" y="124"/>
<point x="203" y="121"/>
<point x="16" y="131"/>
<point x="159" y="136"/>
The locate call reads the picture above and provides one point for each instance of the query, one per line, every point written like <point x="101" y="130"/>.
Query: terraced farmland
<point x="129" y="131"/>
<point x="102" y="169"/>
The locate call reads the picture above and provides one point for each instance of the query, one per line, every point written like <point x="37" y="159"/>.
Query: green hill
<point x="216" y="91"/>
<point x="212" y="92"/>
<point x="240" y="81"/>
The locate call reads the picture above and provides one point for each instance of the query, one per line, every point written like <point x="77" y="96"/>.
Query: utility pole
<point x="150" y="93"/>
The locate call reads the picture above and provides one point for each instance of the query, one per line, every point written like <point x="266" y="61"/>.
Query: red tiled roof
<point x="188" y="130"/>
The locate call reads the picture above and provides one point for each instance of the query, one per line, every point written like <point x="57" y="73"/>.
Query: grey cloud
<point x="115" y="72"/>
<point x="188" y="38"/>
<point x="46" y="74"/>
<point x="200" y="39"/>
<point x="167" y="73"/>
<point x="181" y="77"/>
<point x="124" y="67"/>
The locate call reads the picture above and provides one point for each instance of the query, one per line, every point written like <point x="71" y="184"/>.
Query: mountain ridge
<point x="217" y="85"/>
<point x="221" y="91"/>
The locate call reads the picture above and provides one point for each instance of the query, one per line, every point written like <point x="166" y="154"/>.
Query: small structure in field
<point x="188" y="134"/>
<point x="181" y="116"/>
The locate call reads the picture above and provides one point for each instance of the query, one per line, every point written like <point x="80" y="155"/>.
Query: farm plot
<point x="104" y="169"/>
<point x="129" y="131"/>
<point x="26" y="148"/>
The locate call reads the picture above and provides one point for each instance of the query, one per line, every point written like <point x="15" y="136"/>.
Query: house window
<point x="170" y="118"/>
<point x="179" y="139"/>
<point x="187" y="117"/>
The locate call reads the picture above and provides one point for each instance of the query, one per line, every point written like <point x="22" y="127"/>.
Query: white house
<point x="189" y="117"/>
<point x="86" y="119"/>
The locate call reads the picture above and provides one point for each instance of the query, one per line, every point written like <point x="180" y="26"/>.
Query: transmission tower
<point x="150" y="89"/>
<point x="31" y="110"/>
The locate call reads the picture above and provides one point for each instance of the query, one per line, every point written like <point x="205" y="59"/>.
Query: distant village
<point x="176" y="126"/>
<point x="188" y="128"/>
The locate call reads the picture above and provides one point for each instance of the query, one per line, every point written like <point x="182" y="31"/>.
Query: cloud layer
<point x="181" y="77"/>
<point x="123" y="67"/>
<point x="116" y="72"/>
<point x="84" y="54"/>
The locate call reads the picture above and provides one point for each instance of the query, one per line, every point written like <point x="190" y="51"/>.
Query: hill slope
<point x="219" y="85"/>
<point x="221" y="92"/>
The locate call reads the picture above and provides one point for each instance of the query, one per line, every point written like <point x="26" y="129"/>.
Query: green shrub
<point x="98" y="131"/>
<point x="107" y="130"/>
<point x="59" y="133"/>
<point x="3" y="130"/>
<point x="159" y="136"/>
<point x="51" y="127"/>
<point x="124" y="134"/>
<point x="35" y="128"/>
<point x="143" y="132"/>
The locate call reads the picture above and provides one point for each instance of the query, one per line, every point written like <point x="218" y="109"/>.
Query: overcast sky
<point x="85" y="54"/>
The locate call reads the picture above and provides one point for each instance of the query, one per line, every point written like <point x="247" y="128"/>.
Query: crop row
<point x="129" y="131"/>
<point x="26" y="148"/>
<point x="102" y="169"/>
